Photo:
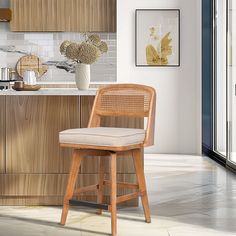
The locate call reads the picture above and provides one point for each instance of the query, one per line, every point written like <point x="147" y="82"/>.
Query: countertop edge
<point x="50" y="92"/>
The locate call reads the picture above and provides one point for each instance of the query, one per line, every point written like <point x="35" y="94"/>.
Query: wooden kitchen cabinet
<point x="63" y="15"/>
<point x="34" y="169"/>
<point x="33" y="124"/>
<point x="37" y="15"/>
<point x="91" y="15"/>
<point x="2" y="134"/>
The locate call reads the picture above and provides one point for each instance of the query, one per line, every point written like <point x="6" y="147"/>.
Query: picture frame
<point x="157" y="37"/>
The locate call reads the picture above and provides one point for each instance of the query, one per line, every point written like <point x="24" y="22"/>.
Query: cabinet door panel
<point x="91" y="15"/>
<point x="33" y="124"/>
<point x="38" y="15"/>
<point x="63" y="15"/>
<point x="102" y="16"/>
<point x="2" y="134"/>
<point x="78" y="15"/>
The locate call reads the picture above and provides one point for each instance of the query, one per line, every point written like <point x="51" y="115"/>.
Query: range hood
<point x="5" y="14"/>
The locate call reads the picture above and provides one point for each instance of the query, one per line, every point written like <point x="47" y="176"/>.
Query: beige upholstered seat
<point x="103" y="136"/>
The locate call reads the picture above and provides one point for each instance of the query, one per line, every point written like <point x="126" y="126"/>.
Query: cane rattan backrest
<point x="131" y="100"/>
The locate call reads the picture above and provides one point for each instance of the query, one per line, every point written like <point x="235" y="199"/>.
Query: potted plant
<point x="84" y="54"/>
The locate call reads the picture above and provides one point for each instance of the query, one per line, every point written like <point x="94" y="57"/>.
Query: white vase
<point x="82" y="76"/>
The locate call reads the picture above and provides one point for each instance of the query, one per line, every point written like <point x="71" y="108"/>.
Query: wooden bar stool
<point x="130" y="100"/>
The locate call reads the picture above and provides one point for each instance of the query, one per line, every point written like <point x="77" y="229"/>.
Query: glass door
<point x="220" y="77"/>
<point x="231" y="79"/>
<point x="219" y="80"/>
<point x="225" y="80"/>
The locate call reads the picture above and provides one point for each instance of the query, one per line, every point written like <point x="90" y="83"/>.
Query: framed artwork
<point x="157" y="37"/>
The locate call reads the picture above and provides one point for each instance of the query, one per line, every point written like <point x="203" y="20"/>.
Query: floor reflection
<point x="189" y="196"/>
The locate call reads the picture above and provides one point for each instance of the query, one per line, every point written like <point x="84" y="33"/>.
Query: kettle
<point x="29" y="77"/>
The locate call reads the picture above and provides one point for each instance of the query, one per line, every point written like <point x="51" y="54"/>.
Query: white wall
<point x="178" y="118"/>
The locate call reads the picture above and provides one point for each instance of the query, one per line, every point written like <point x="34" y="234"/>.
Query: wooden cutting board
<point x="28" y="88"/>
<point x="30" y="62"/>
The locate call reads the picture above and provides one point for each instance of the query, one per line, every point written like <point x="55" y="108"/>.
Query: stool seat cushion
<point x="102" y="136"/>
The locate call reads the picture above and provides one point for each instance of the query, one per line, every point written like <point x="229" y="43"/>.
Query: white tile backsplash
<point x="14" y="45"/>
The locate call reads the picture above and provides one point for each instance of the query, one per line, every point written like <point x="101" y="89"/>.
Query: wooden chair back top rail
<point x="117" y="113"/>
<point x="131" y="100"/>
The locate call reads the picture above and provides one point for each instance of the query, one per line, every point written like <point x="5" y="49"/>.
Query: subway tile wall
<point x="14" y="45"/>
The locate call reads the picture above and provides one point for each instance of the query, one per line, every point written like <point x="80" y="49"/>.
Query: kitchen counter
<point x="51" y="92"/>
<point x="34" y="169"/>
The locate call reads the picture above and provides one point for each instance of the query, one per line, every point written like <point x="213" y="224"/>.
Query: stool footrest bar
<point x="123" y="184"/>
<point x="127" y="197"/>
<point x="88" y="204"/>
<point x="86" y="189"/>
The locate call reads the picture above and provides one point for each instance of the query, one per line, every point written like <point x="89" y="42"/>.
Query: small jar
<point x="19" y="85"/>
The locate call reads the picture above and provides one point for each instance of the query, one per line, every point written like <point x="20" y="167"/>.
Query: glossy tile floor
<point x="189" y="196"/>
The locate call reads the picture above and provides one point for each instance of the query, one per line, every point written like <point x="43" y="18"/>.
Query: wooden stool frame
<point x="131" y="100"/>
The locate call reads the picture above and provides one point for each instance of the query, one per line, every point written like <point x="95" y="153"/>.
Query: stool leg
<point x="76" y="161"/>
<point x="100" y="182"/>
<point x="137" y="157"/>
<point x="113" y="193"/>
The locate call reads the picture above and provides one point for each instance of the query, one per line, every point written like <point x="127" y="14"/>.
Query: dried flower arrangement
<point x="86" y="52"/>
<point x="158" y="54"/>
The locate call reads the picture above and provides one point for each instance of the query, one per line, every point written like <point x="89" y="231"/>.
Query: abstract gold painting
<point x="157" y="37"/>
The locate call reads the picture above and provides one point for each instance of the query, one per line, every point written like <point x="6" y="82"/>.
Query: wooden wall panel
<point x="30" y="201"/>
<point x="33" y="124"/>
<point x="86" y="104"/>
<point x="33" y="184"/>
<point x="64" y="15"/>
<point x="49" y="189"/>
<point x="50" y="184"/>
<point x="50" y="201"/>
<point x="2" y="134"/>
